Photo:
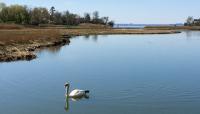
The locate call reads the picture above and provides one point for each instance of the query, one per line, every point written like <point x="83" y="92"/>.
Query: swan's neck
<point x="67" y="90"/>
<point x="67" y="104"/>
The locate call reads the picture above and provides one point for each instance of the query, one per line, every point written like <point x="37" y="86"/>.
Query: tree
<point x="16" y="14"/>
<point x="70" y="18"/>
<point x="39" y="16"/>
<point x="58" y="18"/>
<point x="23" y="15"/>
<point x="95" y="17"/>
<point x="2" y="5"/>
<point x="87" y="18"/>
<point x="52" y="10"/>
<point x="4" y="17"/>
<point x="111" y="23"/>
<point x="189" y="21"/>
<point x="105" y="20"/>
<point x="198" y="22"/>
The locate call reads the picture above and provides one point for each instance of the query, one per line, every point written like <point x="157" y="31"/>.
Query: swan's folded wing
<point x="77" y="92"/>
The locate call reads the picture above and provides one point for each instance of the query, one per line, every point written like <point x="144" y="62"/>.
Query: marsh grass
<point x="28" y="35"/>
<point x="10" y="26"/>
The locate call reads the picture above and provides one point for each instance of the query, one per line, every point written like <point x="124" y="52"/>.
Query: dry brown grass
<point x="10" y="26"/>
<point x="27" y="35"/>
<point x="93" y="26"/>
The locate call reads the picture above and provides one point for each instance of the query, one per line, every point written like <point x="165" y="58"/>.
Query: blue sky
<point x="125" y="11"/>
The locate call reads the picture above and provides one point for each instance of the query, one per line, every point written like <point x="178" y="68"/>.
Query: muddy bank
<point x="17" y="52"/>
<point x="21" y="44"/>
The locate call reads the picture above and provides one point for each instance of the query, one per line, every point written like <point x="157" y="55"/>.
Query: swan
<point x="77" y="93"/>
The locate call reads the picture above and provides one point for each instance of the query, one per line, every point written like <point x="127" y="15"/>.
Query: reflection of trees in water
<point x="95" y="38"/>
<point x="92" y="37"/>
<point x="87" y="37"/>
<point x="188" y="34"/>
<point x="53" y="50"/>
<point x="192" y="35"/>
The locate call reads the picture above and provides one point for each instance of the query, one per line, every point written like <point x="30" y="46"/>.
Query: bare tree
<point x="189" y="20"/>
<point x="111" y="23"/>
<point x="39" y="16"/>
<point x="2" y="5"/>
<point x="95" y="17"/>
<point x="87" y="17"/>
<point x="105" y="20"/>
<point x="58" y="18"/>
<point x="52" y="10"/>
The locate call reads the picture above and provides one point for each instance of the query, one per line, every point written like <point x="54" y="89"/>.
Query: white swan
<point x="77" y="93"/>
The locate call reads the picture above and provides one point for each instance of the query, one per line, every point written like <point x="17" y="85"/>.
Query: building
<point x="196" y="22"/>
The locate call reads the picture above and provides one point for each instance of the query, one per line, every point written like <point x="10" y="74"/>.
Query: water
<point x="132" y="26"/>
<point x="141" y="26"/>
<point x="126" y="74"/>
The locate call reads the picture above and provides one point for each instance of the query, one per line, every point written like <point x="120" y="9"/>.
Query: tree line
<point x="192" y="22"/>
<point x="39" y="15"/>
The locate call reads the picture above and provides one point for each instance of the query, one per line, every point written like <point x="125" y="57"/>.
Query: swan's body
<point x="77" y="93"/>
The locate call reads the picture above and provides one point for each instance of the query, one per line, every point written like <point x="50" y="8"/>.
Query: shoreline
<point x="195" y="28"/>
<point x="21" y="44"/>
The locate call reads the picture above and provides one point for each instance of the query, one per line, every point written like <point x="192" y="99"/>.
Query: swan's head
<point x="66" y="85"/>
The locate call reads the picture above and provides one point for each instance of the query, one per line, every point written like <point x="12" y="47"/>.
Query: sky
<point x="125" y="11"/>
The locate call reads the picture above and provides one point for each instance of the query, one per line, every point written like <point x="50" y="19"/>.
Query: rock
<point x="1" y="52"/>
<point x="17" y="56"/>
<point x="31" y="49"/>
<point x="14" y="49"/>
<point x="30" y="57"/>
<point x="66" y="36"/>
<point x="2" y="43"/>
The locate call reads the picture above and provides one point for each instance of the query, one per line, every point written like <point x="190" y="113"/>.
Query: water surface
<point x="126" y="74"/>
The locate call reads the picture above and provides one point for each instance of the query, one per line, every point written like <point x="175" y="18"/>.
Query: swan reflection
<point x="73" y="100"/>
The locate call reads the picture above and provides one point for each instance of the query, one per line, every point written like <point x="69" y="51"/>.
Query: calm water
<point x="126" y="74"/>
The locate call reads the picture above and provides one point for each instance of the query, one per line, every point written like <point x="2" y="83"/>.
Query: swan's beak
<point x="66" y="85"/>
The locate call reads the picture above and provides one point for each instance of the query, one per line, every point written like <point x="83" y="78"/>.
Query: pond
<point x="126" y="74"/>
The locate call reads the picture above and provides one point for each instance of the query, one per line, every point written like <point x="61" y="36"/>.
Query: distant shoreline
<point x="140" y="26"/>
<point x="172" y="27"/>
